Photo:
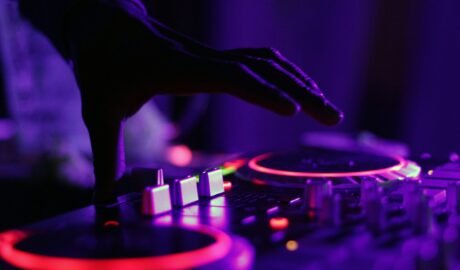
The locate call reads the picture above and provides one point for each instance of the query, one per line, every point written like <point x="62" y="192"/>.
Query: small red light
<point x="258" y="182"/>
<point x="111" y="223"/>
<point x="279" y="223"/>
<point x="227" y="185"/>
<point x="235" y="164"/>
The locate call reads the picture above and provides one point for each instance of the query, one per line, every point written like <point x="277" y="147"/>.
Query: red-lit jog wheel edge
<point x="253" y="164"/>
<point x="184" y="260"/>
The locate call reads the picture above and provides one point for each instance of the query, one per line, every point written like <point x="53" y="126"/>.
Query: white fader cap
<point x="156" y="199"/>
<point x="211" y="183"/>
<point x="185" y="191"/>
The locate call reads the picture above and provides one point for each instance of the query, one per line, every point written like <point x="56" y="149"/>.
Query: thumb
<point x="106" y="135"/>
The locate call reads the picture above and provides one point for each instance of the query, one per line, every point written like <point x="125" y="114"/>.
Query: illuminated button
<point x="111" y="223"/>
<point x="211" y="183"/>
<point x="454" y="175"/>
<point x="156" y="200"/>
<point x="273" y="210"/>
<point x="279" y="223"/>
<point x="292" y="245"/>
<point x="295" y="201"/>
<point x="227" y="186"/>
<point x="185" y="191"/>
<point x="391" y="176"/>
<point x="411" y="169"/>
<point x="248" y="220"/>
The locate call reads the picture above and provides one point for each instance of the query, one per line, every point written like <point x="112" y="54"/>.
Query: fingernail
<point x="331" y="114"/>
<point x="289" y="106"/>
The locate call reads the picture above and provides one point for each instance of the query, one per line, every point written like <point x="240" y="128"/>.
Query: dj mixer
<point x="307" y="208"/>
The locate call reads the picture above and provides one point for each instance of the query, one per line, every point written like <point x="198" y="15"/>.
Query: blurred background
<point x="390" y="65"/>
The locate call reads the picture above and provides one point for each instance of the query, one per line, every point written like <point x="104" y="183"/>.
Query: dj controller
<point x="307" y="208"/>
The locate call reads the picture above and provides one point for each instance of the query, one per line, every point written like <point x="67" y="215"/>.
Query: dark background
<point x="391" y="65"/>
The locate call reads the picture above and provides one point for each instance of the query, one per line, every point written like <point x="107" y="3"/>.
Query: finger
<point x="106" y="136"/>
<point x="201" y="75"/>
<point x="310" y="101"/>
<point x="250" y="87"/>
<point x="275" y="55"/>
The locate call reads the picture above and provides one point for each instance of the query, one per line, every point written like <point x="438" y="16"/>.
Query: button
<point x="389" y="176"/>
<point x="273" y="210"/>
<point x="295" y="201"/>
<point x="410" y="170"/>
<point x="279" y="223"/>
<point x="211" y="183"/>
<point x="185" y="191"/>
<point x="227" y="186"/>
<point x="156" y="200"/>
<point x="248" y="220"/>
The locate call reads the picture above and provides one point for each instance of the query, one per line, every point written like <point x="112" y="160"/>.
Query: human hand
<point x="122" y="58"/>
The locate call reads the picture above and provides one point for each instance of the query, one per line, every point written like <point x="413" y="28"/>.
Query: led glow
<point x="233" y="165"/>
<point x="254" y="165"/>
<point x="184" y="260"/>
<point x="279" y="223"/>
<point x="258" y="182"/>
<point x="227" y="186"/>
<point x="111" y="223"/>
<point x="430" y="172"/>
<point x="292" y="245"/>
<point x="179" y="155"/>
<point x="230" y="167"/>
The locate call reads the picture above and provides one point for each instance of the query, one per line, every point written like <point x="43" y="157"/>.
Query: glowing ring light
<point x="183" y="260"/>
<point x="254" y="165"/>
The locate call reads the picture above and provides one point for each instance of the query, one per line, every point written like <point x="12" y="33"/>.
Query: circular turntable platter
<point x="87" y="247"/>
<point x="344" y="167"/>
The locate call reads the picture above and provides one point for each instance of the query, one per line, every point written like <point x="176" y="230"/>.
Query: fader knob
<point x="185" y="191"/>
<point x="156" y="200"/>
<point x="211" y="183"/>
